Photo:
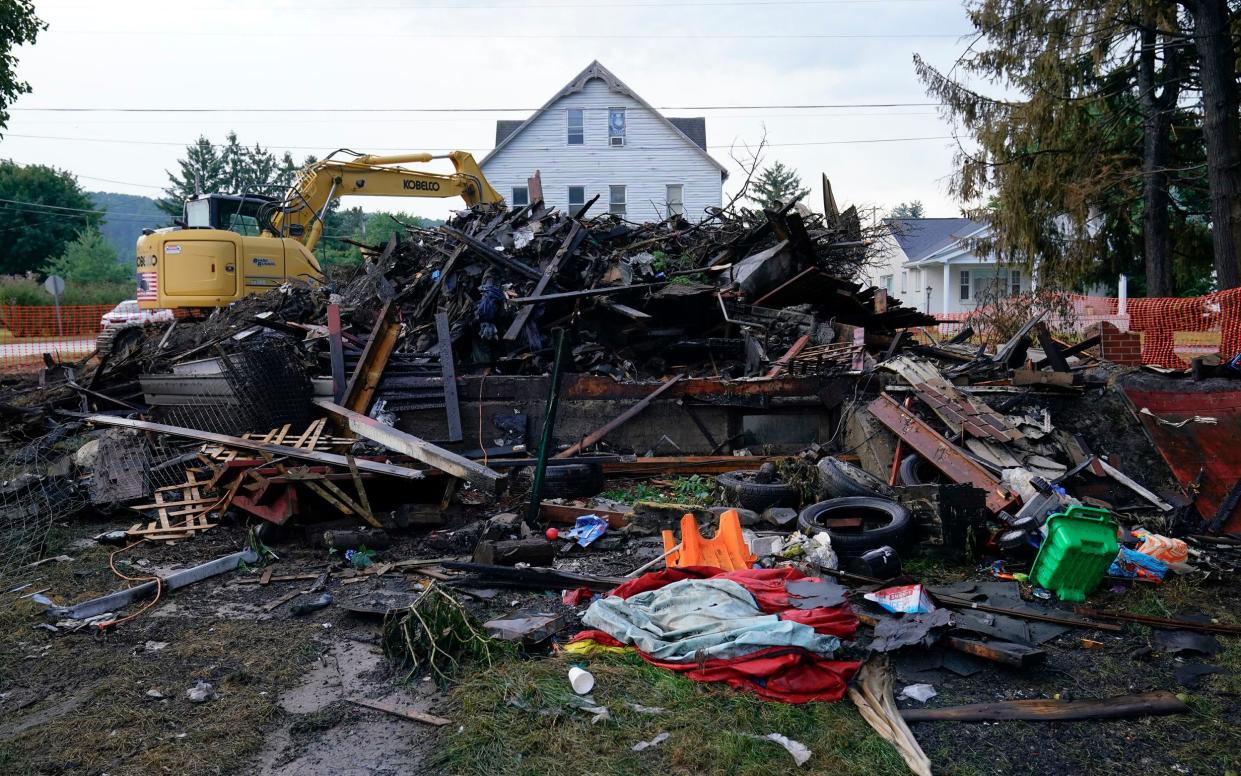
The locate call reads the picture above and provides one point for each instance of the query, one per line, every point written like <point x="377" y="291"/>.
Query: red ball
<point x="553" y="534"/>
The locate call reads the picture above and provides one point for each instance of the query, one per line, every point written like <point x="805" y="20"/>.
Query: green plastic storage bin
<point x="1080" y="545"/>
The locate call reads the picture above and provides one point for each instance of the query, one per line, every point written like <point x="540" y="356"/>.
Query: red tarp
<point x="1194" y="447"/>
<point x="788" y="674"/>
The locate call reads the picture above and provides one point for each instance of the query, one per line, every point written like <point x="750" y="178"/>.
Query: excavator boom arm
<point x="374" y="176"/>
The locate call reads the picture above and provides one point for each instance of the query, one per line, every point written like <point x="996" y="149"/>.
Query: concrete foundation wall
<point x="778" y="415"/>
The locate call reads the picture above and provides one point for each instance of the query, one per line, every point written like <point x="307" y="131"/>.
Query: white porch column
<point x="1122" y="304"/>
<point x="947" y="287"/>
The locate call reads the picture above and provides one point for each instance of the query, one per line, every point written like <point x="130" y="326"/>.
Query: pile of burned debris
<point x="446" y="420"/>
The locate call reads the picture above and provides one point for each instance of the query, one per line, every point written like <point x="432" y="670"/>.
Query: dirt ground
<point x="117" y="703"/>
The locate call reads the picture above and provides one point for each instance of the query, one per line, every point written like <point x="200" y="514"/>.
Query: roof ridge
<point x="596" y="69"/>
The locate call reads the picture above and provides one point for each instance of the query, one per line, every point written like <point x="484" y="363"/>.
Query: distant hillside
<point x="127" y="215"/>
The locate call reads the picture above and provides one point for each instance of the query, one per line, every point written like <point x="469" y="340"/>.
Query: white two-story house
<point x="597" y="137"/>
<point x="933" y="264"/>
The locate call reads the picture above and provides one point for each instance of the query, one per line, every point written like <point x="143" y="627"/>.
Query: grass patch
<point x="695" y="489"/>
<point x="318" y="721"/>
<point x="517" y="718"/>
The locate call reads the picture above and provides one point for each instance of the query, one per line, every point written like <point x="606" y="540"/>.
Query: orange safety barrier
<point x="727" y="550"/>
<point x="29" y="331"/>
<point x="1166" y="332"/>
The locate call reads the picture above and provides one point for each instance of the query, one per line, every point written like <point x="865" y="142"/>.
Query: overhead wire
<point x="310" y="109"/>
<point x="541" y="35"/>
<point x="529" y="6"/>
<point x="123" y="141"/>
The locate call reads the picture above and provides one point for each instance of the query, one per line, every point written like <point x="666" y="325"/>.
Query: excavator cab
<point x="240" y="213"/>
<point x="229" y="246"/>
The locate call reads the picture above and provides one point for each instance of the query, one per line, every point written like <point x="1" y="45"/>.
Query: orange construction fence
<point x="29" y="331"/>
<point x="1172" y="331"/>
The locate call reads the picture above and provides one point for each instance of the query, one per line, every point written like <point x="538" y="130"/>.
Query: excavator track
<point x="118" y="340"/>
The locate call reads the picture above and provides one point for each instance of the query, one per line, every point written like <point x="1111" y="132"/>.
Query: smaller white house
<point x="597" y="137"/>
<point x="932" y="264"/>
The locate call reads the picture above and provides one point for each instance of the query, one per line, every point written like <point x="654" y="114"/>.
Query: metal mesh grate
<point x="258" y="386"/>
<point x="36" y="487"/>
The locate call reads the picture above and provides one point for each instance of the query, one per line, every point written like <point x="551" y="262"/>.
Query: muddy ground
<point x="116" y="704"/>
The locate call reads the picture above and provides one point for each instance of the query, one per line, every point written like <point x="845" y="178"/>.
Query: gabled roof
<point x="920" y="238"/>
<point x="595" y="70"/>
<point x="506" y="127"/>
<point x="694" y="127"/>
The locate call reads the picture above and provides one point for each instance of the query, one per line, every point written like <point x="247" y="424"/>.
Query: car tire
<point x="914" y="470"/>
<point x="574" y="480"/>
<point x="757" y="496"/>
<point x="838" y="479"/>
<point x="887" y="522"/>
<point x="1012" y="541"/>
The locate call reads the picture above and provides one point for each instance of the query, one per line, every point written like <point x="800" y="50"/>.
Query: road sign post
<point x="55" y="285"/>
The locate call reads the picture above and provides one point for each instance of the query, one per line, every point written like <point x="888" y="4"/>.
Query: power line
<point x="542" y="35"/>
<point x="403" y="121"/>
<point x="122" y="183"/>
<point x="50" y="207"/>
<point x="466" y="7"/>
<point x="839" y="105"/>
<point x="389" y="148"/>
<point x="68" y="212"/>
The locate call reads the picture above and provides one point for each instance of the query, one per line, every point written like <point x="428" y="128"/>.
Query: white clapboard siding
<point x="654" y="155"/>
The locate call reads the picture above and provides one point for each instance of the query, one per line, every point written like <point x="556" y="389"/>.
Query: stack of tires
<point x="850" y="492"/>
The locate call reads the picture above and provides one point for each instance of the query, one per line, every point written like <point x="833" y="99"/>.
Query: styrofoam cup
<point x="581" y="681"/>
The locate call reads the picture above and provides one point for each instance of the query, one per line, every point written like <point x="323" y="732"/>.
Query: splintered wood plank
<point x="318" y="430"/>
<point x="401" y="711"/>
<point x="331" y="459"/>
<point x="300" y="443"/>
<point x="161" y="504"/>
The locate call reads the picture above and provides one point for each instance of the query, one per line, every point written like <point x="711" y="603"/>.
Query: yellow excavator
<point x="228" y="246"/>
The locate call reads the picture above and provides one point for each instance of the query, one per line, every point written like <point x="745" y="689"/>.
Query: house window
<point x="904" y="281"/>
<point x="521" y="196"/>
<point x="676" y="199"/>
<point x="577" y="196"/>
<point x="885" y="282"/>
<point x="577" y="132"/>
<point x="965" y="285"/>
<point x="990" y="284"/>
<point x="616" y="200"/>
<point x="616" y="126"/>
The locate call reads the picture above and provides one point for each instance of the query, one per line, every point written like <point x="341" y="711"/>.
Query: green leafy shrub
<point x="23" y="291"/>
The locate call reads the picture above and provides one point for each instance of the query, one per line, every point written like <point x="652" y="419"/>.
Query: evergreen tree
<point x="907" y="210"/>
<point x="775" y="185"/>
<point x="1092" y="158"/>
<point x="202" y="172"/>
<point x="231" y="168"/>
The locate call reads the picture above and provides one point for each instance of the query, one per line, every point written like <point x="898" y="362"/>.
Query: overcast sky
<point x="384" y="54"/>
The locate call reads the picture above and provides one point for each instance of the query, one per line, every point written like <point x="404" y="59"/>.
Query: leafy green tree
<point x="232" y="168"/>
<point x="775" y="183"/>
<point x="907" y="210"/>
<point x="41" y="210"/>
<point x="90" y="258"/>
<point x="345" y="226"/>
<point x="18" y="26"/>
